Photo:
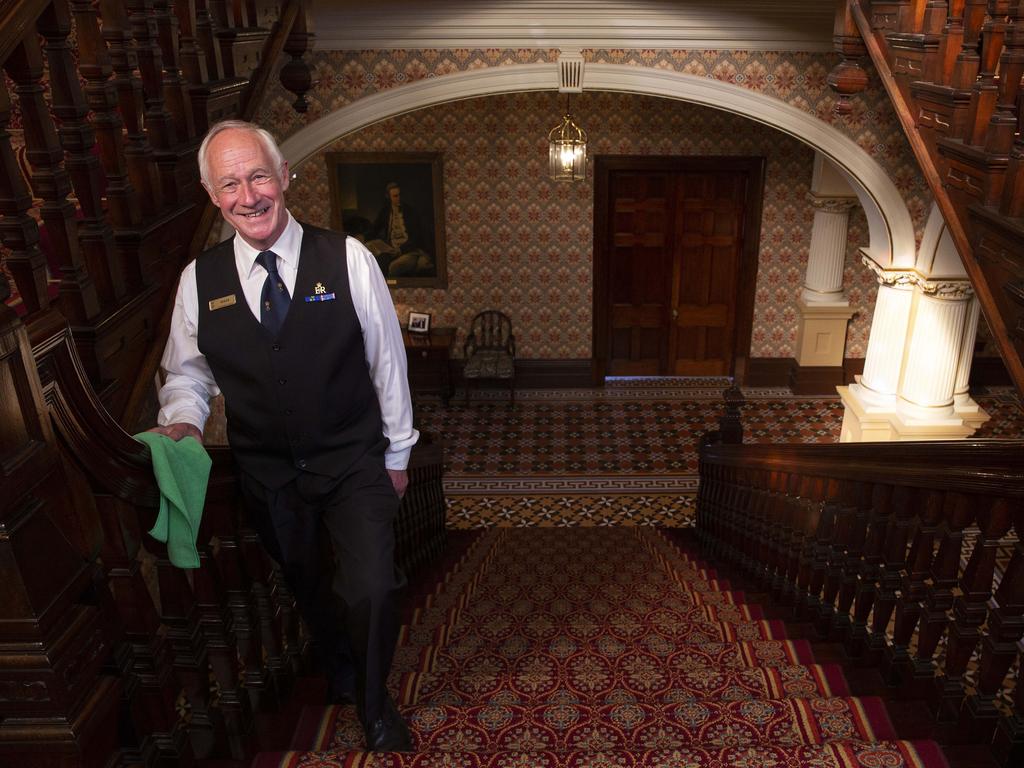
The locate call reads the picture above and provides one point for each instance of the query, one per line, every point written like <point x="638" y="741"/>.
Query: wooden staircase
<point x="953" y="73"/>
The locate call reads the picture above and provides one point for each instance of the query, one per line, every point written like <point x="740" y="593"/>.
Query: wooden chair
<point x="490" y="351"/>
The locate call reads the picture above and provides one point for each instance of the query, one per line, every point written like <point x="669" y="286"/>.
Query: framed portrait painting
<point x="394" y="203"/>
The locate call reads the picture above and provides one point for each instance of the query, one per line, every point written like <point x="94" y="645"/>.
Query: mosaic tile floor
<point x="624" y="454"/>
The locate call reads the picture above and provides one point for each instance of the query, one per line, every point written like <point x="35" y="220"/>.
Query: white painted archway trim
<point x="890" y="229"/>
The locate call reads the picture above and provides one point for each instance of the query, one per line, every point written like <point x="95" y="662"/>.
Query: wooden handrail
<point x="979" y="466"/>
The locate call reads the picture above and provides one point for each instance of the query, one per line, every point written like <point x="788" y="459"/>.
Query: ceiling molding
<point x="784" y="25"/>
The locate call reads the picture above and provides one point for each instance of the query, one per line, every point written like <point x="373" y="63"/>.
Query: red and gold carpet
<point x="601" y="648"/>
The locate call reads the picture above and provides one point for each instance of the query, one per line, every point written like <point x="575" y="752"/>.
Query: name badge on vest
<point x="223" y="301"/>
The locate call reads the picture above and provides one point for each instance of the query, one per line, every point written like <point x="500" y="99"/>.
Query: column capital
<point x="952" y="289"/>
<point x="831" y="204"/>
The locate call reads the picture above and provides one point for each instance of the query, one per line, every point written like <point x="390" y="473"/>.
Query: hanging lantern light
<point x="567" y="149"/>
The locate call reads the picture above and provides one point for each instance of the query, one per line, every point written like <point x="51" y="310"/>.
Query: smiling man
<point x="295" y="325"/>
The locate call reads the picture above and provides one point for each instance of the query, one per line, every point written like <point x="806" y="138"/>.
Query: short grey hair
<point x="264" y="137"/>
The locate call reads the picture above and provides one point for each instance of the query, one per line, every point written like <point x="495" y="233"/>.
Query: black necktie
<point x="274" y="300"/>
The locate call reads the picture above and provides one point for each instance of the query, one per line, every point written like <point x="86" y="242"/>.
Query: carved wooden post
<point x="848" y="76"/>
<point x="206" y="36"/>
<point x="956" y="516"/>
<point x="1008" y="744"/>
<point x="899" y="665"/>
<point x="950" y="43"/>
<point x="1005" y="626"/>
<point x="193" y="57"/>
<point x="18" y="230"/>
<point x="172" y="44"/>
<point x="79" y="300"/>
<point x="95" y="67"/>
<point x="1003" y="122"/>
<point x="894" y="553"/>
<point x="295" y="75"/>
<point x="985" y="91"/>
<point x="159" y="126"/>
<point x="153" y="689"/>
<point x="138" y="150"/>
<point x="970" y="608"/>
<point x="871" y="570"/>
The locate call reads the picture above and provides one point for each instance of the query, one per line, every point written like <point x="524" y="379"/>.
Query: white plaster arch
<point x="891" y="231"/>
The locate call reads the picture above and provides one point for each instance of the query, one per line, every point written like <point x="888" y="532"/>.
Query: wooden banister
<point x="867" y="541"/>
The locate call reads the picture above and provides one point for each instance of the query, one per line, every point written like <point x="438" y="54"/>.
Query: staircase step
<point x="894" y="754"/>
<point x="720" y="655"/>
<point x="593" y="681"/>
<point x="565" y="727"/>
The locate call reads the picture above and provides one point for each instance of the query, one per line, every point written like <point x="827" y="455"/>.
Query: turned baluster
<point x="910" y="15"/>
<point x="781" y="532"/>
<point x="894" y="555"/>
<point x="50" y="183"/>
<point x="985" y="90"/>
<point x="1008" y="744"/>
<point x="1003" y="123"/>
<point x="950" y="43"/>
<point x="160" y="128"/>
<point x="255" y="629"/>
<point x="95" y="67"/>
<point x="968" y="61"/>
<point x="999" y="645"/>
<point x="970" y="607"/>
<point x="192" y="56"/>
<point x="871" y="569"/>
<point x="910" y="605"/>
<point x="18" y="230"/>
<point x="176" y="94"/>
<point x="153" y="687"/>
<point x="138" y="150"/>
<point x="206" y="37"/>
<point x="857" y="502"/>
<point x="180" y="614"/>
<point x="760" y="529"/>
<point x="957" y="514"/>
<point x="936" y="14"/>
<point x="833" y="564"/>
<point x="79" y="301"/>
<point x="219" y="576"/>
<point x="818" y="525"/>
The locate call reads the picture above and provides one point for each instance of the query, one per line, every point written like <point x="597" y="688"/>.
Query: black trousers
<point x="354" y="617"/>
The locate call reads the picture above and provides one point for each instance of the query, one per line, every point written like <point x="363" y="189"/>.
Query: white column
<point x="963" y="370"/>
<point x="934" y="349"/>
<point x="884" y="359"/>
<point x="824" y="278"/>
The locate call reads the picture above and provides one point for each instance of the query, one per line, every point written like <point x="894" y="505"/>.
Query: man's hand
<point x="399" y="479"/>
<point x="178" y="431"/>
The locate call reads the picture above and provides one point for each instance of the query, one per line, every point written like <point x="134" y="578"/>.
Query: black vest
<point x="305" y="400"/>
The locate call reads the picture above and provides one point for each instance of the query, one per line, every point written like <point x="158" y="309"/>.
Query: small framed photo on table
<point x="419" y="322"/>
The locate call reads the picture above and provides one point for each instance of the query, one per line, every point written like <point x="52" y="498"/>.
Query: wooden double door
<point x="675" y="263"/>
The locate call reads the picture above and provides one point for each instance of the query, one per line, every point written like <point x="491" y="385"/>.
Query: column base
<point x="869" y="417"/>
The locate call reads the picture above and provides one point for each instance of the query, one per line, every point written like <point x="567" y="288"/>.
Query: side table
<point x="429" y="356"/>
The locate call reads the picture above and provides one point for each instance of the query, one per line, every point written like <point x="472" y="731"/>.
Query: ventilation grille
<point x="570" y="72"/>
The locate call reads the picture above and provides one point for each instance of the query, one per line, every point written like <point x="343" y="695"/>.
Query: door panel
<point x="706" y="274"/>
<point x="639" y="233"/>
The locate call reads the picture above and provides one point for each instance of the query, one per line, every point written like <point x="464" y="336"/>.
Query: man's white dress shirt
<point x="189" y="385"/>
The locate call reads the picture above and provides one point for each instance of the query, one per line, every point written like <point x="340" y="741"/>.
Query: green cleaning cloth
<point x="182" y="470"/>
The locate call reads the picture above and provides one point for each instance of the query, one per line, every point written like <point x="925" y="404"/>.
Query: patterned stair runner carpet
<point x="601" y="648"/>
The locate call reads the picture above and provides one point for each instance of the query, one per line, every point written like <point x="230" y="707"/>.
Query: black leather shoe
<point x="388" y="733"/>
